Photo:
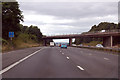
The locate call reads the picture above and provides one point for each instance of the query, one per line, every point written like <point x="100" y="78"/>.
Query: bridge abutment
<point x="108" y="41"/>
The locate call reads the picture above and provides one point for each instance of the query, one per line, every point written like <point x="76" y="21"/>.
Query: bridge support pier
<point x="70" y="41"/>
<point x="108" y="41"/>
<point x="111" y="41"/>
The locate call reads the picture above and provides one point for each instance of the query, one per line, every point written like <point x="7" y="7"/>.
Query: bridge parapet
<point x="88" y="34"/>
<point x="104" y="31"/>
<point x="110" y="37"/>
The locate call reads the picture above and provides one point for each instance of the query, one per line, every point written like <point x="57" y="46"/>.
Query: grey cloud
<point x="72" y="10"/>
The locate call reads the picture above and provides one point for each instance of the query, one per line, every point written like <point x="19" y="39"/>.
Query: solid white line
<point x="80" y="68"/>
<point x="18" y="62"/>
<point x="68" y="58"/>
<point x="106" y="58"/>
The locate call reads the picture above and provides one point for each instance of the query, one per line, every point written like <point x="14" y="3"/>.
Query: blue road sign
<point x="11" y="34"/>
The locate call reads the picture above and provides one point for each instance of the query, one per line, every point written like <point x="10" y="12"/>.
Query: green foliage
<point x="104" y="26"/>
<point x="93" y="43"/>
<point x="4" y="42"/>
<point x="33" y="32"/>
<point x="99" y="27"/>
<point x="25" y="36"/>
<point x="11" y="17"/>
<point x="86" y="40"/>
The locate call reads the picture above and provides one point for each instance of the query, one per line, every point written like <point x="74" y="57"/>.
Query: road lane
<point x="48" y="63"/>
<point x="66" y="63"/>
<point x="94" y="64"/>
<point x="11" y="57"/>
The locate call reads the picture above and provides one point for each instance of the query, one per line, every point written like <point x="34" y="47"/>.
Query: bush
<point x="4" y="42"/>
<point x="93" y="43"/>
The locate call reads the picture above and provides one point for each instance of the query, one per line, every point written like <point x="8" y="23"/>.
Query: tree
<point x="104" y="26"/>
<point x="34" y="30"/>
<point x="99" y="27"/>
<point x="11" y="17"/>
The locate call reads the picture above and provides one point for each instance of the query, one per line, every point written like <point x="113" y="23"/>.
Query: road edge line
<point x="18" y="62"/>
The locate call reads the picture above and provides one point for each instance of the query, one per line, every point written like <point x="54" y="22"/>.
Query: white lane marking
<point x="18" y="62"/>
<point x="62" y="53"/>
<point x="81" y="51"/>
<point x="10" y="52"/>
<point x="106" y="58"/>
<point x="68" y="58"/>
<point x="90" y="54"/>
<point x="80" y="68"/>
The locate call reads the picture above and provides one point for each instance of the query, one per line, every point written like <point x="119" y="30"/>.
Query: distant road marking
<point x="18" y="62"/>
<point x="106" y="58"/>
<point x="68" y="58"/>
<point x="81" y="51"/>
<point x="62" y="53"/>
<point x="80" y="68"/>
<point x="90" y="54"/>
<point x="10" y="52"/>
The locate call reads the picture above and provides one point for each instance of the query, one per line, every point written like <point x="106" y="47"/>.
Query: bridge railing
<point x="105" y="31"/>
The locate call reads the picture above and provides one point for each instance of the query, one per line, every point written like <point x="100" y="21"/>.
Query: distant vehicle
<point x="102" y="30"/>
<point x="56" y="44"/>
<point x="59" y="45"/>
<point x="89" y="46"/>
<point x="52" y="44"/>
<point x="63" y="46"/>
<point x="99" y="45"/>
<point x="73" y="44"/>
<point x="81" y="45"/>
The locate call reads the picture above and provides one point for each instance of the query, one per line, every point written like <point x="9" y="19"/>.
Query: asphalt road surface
<point x="54" y="62"/>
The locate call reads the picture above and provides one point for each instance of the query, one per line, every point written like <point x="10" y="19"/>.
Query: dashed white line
<point x="62" y="53"/>
<point x="106" y="58"/>
<point x="68" y="58"/>
<point x="18" y="62"/>
<point x="81" y="51"/>
<point x="90" y="54"/>
<point x="80" y="68"/>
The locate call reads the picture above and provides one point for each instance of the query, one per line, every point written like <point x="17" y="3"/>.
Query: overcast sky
<point x="54" y="18"/>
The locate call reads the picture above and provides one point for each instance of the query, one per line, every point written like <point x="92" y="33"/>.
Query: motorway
<point x="54" y="62"/>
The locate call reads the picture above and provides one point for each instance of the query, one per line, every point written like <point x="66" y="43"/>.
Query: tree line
<point x="11" y="18"/>
<point x="99" y="27"/>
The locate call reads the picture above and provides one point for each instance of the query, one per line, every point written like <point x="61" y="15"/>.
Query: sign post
<point x="11" y="35"/>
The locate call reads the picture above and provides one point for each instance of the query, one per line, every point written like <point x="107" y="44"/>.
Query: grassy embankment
<point x="22" y="41"/>
<point x="92" y="43"/>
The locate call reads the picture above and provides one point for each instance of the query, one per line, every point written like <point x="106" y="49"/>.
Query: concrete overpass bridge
<point x="109" y="37"/>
